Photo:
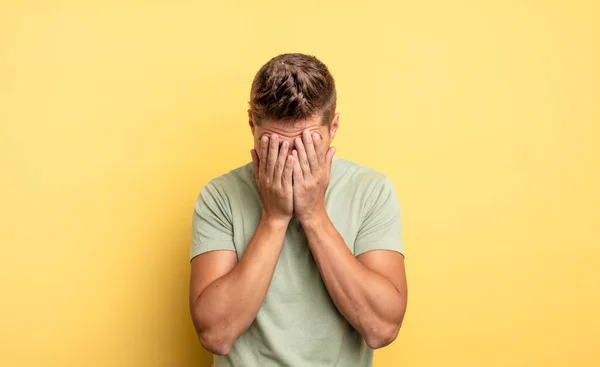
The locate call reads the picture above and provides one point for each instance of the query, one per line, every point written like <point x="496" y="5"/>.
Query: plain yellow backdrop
<point x="485" y="116"/>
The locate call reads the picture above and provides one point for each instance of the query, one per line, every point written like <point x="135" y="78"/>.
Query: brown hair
<point x="293" y="87"/>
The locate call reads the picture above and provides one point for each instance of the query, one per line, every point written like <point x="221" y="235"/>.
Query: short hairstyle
<point x="292" y="87"/>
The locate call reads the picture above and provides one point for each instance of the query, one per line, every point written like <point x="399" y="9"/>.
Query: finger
<point x="320" y="153"/>
<point x="298" y="177"/>
<point x="302" y="158"/>
<point x="264" y="149"/>
<point x="272" y="156"/>
<point x="329" y="158"/>
<point x="286" y="178"/>
<point x="311" y="154"/>
<point x="254" y="162"/>
<point x="281" y="159"/>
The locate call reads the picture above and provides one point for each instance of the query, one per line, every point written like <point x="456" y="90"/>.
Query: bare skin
<point x="225" y="295"/>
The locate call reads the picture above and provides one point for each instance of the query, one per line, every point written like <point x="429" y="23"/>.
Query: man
<point x="297" y="258"/>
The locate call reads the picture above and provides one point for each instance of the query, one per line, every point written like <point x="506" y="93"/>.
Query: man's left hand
<point x="312" y="170"/>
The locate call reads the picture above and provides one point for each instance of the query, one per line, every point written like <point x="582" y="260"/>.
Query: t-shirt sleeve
<point x="381" y="225"/>
<point x="211" y="223"/>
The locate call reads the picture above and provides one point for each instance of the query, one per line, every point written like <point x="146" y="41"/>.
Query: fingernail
<point x="284" y="144"/>
<point x="264" y="139"/>
<point x="316" y="136"/>
<point x="298" y="141"/>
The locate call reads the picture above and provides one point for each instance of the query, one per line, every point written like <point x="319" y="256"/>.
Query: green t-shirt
<point x="298" y="324"/>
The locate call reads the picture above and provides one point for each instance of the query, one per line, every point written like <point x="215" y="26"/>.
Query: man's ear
<point x="334" y="125"/>
<point x="251" y="121"/>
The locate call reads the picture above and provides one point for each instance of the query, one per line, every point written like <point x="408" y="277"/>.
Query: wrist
<point x="314" y="219"/>
<point x="275" y="222"/>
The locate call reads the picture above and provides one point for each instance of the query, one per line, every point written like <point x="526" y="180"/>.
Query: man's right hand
<point x="226" y="294"/>
<point x="273" y="169"/>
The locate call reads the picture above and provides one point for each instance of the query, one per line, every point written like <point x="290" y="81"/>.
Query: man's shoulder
<point x="356" y="176"/>
<point x="235" y="180"/>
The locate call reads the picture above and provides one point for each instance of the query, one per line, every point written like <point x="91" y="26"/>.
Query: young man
<point x="297" y="257"/>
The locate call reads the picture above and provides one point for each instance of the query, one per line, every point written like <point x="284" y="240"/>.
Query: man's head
<point x="292" y="93"/>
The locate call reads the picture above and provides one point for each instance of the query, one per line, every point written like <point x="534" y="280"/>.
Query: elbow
<point x="212" y="335"/>
<point x="214" y="343"/>
<point x="383" y="333"/>
<point x="382" y="338"/>
<point x="211" y="340"/>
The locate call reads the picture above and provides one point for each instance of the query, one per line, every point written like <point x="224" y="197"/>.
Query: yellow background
<point x="485" y="116"/>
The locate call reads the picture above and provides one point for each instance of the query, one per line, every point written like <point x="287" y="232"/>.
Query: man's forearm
<point x="369" y="301"/>
<point x="227" y="307"/>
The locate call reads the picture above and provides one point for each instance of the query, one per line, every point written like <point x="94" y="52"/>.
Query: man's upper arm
<point x="208" y="267"/>
<point x="389" y="264"/>
<point x="378" y="245"/>
<point x="212" y="252"/>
